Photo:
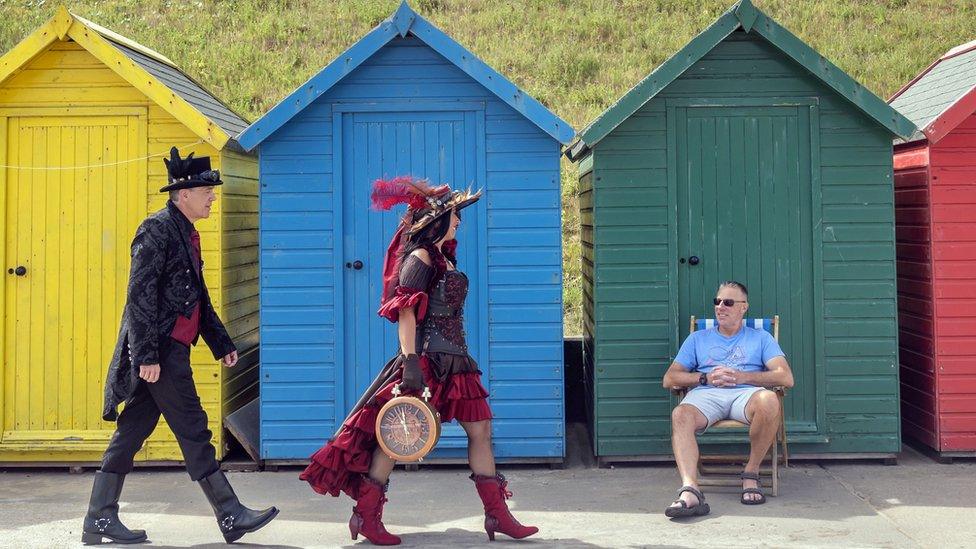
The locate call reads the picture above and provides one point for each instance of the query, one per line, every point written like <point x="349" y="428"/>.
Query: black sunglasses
<point x="726" y="302"/>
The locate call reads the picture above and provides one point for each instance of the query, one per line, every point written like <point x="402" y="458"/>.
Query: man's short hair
<point x="174" y="196"/>
<point x="734" y="284"/>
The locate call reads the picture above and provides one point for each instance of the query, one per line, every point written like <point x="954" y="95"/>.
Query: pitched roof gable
<point x="744" y="15"/>
<point x="146" y="70"/>
<point x="402" y="22"/>
<point x="941" y="96"/>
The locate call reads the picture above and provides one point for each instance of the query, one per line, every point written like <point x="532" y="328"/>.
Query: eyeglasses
<point x="726" y="302"/>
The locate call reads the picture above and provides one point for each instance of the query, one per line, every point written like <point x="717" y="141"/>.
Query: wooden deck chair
<point x="778" y="452"/>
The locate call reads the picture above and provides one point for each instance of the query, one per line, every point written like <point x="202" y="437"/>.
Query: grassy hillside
<point x="576" y="57"/>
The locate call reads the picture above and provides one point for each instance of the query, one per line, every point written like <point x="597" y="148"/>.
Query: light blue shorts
<point x="718" y="403"/>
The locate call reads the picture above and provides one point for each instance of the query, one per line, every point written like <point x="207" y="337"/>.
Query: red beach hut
<point x="935" y="203"/>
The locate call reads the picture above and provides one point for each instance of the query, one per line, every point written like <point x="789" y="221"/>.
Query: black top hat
<point x="189" y="172"/>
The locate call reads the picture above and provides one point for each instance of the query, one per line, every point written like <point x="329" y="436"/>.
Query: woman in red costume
<point x="424" y="292"/>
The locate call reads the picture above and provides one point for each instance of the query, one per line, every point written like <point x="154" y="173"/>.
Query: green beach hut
<point x="746" y="155"/>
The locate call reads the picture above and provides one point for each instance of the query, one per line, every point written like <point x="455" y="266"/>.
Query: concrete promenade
<point x="918" y="503"/>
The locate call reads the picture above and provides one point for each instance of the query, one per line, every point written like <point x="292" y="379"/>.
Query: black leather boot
<point x="102" y="520"/>
<point x="234" y="519"/>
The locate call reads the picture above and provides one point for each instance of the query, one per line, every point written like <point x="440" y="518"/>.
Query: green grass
<point x="576" y="57"/>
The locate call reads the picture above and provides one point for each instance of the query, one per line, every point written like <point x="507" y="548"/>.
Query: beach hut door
<point x="73" y="200"/>
<point x="744" y="213"/>
<point x="440" y="145"/>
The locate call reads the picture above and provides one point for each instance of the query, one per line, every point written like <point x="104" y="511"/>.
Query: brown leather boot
<point x="494" y="492"/>
<point x="367" y="515"/>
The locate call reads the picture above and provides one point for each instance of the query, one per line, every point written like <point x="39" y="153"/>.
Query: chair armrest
<point x="682" y="391"/>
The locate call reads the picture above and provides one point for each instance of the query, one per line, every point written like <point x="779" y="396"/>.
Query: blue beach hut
<point x="407" y="99"/>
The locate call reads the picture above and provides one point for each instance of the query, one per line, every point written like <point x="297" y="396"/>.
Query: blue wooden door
<point x="442" y="146"/>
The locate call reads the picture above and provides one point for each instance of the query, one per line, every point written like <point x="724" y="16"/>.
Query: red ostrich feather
<point x="403" y="189"/>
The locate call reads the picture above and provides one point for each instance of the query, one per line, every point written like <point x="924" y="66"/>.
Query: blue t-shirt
<point x="747" y="351"/>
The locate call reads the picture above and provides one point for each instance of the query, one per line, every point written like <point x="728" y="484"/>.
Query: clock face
<point x="405" y="429"/>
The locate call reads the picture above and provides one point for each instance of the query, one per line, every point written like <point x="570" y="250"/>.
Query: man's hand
<point x="722" y="376"/>
<point x="149" y="372"/>
<point x="230" y="359"/>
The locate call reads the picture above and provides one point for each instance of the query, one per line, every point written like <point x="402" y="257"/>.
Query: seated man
<point x="726" y="369"/>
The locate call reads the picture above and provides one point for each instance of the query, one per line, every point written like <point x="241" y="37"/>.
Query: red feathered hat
<point x="424" y="203"/>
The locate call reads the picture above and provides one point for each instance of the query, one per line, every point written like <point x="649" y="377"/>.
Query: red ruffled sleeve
<point x="415" y="277"/>
<point x="404" y="297"/>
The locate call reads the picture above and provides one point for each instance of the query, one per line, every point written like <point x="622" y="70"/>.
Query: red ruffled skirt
<point x="456" y="392"/>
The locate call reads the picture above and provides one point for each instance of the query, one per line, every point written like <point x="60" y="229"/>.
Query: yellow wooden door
<point x="66" y="251"/>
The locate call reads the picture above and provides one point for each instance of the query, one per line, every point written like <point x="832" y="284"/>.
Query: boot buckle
<point x="102" y="523"/>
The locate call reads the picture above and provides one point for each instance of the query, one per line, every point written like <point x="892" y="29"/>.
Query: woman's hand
<point x="413" y="378"/>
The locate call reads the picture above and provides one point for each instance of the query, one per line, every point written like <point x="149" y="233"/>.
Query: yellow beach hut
<point x="85" y="117"/>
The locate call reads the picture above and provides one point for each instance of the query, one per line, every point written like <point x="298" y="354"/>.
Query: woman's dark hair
<point x="427" y="238"/>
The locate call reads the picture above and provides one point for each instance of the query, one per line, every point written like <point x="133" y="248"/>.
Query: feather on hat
<point x="424" y="203"/>
<point x="189" y="172"/>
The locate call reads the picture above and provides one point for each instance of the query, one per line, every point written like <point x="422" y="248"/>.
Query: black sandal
<point x="762" y="497"/>
<point x="698" y="510"/>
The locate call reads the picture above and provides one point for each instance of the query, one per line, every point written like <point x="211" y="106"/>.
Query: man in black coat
<point x="167" y="309"/>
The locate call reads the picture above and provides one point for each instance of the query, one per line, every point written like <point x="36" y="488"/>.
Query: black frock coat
<point x="165" y="280"/>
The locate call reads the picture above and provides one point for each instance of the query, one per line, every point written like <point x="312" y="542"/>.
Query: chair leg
<point x="775" y="468"/>
<point x="782" y="434"/>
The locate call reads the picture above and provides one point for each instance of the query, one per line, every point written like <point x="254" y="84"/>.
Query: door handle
<point x="693" y="260"/>
<point x="19" y="271"/>
<point x="354" y="265"/>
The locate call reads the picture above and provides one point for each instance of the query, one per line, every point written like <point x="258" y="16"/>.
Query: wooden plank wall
<point x="239" y="275"/>
<point x="953" y="211"/>
<point x="589" y="303"/>
<point x="916" y="335"/>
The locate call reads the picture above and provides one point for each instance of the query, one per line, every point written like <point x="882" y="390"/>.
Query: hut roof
<point x="745" y="16"/>
<point x="941" y="96"/>
<point x="402" y="22"/>
<point x="146" y="70"/>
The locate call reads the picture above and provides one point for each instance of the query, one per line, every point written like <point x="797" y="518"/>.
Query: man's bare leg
<point x="763" y="414"/>
<point x="685" y="420"/>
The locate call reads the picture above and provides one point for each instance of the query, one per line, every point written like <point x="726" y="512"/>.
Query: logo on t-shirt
<point x="731" y="357"/>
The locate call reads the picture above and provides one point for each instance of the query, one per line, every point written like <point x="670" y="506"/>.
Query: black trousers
<point x="175" y="396"/>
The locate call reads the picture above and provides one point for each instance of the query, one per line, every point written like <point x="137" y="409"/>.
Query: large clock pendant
<point x="407" y="428"/>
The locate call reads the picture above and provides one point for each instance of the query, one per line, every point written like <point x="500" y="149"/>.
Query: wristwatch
<point x="703" y="379"/>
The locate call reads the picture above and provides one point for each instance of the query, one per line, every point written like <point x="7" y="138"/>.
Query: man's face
<point x="196" y="202"/>
<point x="730" y="316"/>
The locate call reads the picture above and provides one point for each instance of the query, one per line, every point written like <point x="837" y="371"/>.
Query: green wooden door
<point x="743" y="183"/>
